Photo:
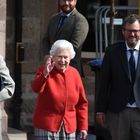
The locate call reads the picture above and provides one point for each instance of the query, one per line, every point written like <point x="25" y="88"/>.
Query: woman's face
<point x="62" y="59"/>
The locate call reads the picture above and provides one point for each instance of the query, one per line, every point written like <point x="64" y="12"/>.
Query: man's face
<point x="131" y="33"/>
<point x="67" y="5"/>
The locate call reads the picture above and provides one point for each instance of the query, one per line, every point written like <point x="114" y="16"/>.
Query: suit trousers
<point x="124" y="125"/>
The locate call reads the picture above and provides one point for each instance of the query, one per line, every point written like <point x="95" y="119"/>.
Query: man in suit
<point x="118" y="100"/>
<point x="74" y="29"/>
<point x="7" y="85"/>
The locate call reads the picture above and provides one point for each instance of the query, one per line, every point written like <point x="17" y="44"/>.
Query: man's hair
<point x="131" y="19"/>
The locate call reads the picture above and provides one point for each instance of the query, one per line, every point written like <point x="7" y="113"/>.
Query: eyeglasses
<point x="131" y="31"/>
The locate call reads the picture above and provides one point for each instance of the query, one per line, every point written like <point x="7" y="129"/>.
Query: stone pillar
<point x="2" y="26"/>
<point x="3" y="115"/>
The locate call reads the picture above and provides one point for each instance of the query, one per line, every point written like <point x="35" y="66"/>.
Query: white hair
<point x="62" y="44"/>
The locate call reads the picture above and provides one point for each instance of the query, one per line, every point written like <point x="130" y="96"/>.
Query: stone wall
<point x="2" y="26"/>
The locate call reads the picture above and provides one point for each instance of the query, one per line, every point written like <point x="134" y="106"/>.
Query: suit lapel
<point x="57" y="32"/>
<point x="138" y="66"/>
<point x="124" y="61"/>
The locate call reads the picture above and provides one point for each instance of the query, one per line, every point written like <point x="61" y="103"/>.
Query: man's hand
<point x="100" y="118"/>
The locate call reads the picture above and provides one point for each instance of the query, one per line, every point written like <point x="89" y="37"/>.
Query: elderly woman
<point x="62" y="107"/>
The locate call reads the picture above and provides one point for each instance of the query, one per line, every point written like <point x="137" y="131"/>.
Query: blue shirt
<point x="135" y="53"/>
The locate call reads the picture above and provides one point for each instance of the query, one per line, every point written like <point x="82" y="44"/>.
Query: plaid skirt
<point x="41" y="134"/>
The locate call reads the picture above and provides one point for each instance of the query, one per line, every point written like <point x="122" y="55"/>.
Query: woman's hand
<point x="49" y="65"/>
<point x="83" y="134"/>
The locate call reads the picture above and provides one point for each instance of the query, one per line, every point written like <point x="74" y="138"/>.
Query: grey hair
<point x="62" y="44"/>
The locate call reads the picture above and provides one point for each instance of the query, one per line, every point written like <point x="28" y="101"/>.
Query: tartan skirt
<point x="41" y="134"/>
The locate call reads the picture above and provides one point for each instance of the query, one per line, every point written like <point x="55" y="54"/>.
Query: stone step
<point x="14" y="134"/>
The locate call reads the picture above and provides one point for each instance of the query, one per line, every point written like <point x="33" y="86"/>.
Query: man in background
<point x="70" y="25"/>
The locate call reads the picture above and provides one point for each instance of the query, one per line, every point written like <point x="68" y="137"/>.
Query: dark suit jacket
<point x="116" y="84"/>
<point x="75" y="30"/>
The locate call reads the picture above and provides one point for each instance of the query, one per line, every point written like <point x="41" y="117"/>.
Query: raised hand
<point x="49" y="65"/>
